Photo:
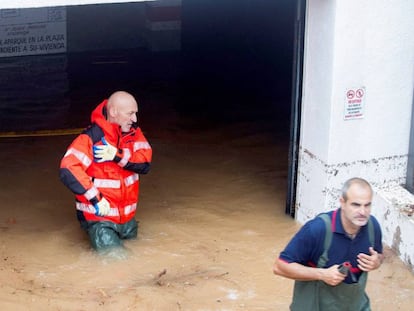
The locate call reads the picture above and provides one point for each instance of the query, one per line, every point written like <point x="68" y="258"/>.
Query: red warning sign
<point x="354" y="103"/>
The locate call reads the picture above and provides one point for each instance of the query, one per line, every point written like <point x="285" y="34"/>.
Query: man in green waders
<point x="329" y="257"/>
<point x="102" y="167"/>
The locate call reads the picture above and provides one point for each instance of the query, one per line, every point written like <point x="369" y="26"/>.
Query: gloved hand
<point x="105" y="152"/>
<point x="102" y="207"/>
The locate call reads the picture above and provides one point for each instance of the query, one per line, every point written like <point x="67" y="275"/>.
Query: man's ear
<point x="112" y="112"/>
<point x="341" y="200"/>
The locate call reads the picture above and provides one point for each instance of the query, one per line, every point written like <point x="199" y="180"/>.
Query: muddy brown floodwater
<point x="211" y="225"/>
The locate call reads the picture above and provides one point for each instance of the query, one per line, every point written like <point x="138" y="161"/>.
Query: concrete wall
<point x="356" y="44"/>
<point x="393" y="207"/>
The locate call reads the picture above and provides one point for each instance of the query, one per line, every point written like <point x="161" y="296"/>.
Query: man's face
<point x="357" y="208"/>
<point x="126" y="115"/>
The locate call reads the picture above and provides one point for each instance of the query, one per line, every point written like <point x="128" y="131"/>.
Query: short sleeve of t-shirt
<point x="306" y="246"/>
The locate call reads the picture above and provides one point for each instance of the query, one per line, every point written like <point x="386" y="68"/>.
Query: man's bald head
<point x="122" y="109"/>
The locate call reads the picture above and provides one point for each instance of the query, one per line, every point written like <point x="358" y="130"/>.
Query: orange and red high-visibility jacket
<point x="117" y="180"/>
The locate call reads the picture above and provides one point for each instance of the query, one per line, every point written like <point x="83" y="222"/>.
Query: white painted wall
<point x="374" y="47"/>
<point x="392" y="207"/>
<point x="319" y="61"/>
<point x="316" y="112"/>
<point x="354" y="43"/>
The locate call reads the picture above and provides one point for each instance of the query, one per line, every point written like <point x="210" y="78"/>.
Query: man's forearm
<point x="297" y="271"/>
<point x="331" y="276"/>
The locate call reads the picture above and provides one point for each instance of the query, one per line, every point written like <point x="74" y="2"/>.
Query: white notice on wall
<point x="32" y="31"/>
<point x="354" y="103"/>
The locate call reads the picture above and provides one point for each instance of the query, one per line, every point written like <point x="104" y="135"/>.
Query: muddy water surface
<point x="211" y="224"/>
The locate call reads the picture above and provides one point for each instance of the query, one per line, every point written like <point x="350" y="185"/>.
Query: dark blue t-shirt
<point x="308" y="244"/>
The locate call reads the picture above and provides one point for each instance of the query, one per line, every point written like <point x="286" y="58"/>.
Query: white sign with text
<point x="32" y="31"/>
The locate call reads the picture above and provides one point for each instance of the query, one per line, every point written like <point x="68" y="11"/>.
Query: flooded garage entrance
<point x="212" y="207"/>
<point x="211" y="224"/>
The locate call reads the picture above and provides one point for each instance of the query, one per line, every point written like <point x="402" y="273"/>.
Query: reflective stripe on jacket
<point x="114" y="212"/>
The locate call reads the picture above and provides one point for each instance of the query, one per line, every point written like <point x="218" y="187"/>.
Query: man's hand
<point x="297" y="271"/>
<point x="332" y="276"/>
<point x="105" y="152"/>
<point x="102" y="208"/>
<point x="369" y="262"/>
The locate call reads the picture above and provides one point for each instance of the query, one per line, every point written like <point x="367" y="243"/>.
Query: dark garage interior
<point x="231" y="62"/>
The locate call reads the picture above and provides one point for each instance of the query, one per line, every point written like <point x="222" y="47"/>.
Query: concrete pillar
<point x="354" y="47"/>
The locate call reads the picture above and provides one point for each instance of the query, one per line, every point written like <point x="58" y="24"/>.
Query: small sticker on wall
<point x="354" y="103"/>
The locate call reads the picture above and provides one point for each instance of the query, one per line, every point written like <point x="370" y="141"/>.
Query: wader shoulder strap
<point x="323" y="259"/>
<point x="371" y="232"/>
